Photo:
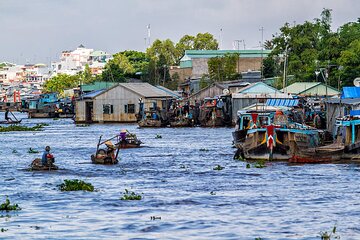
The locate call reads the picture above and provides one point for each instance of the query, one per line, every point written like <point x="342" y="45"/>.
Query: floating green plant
<point x="13" y="128"/>
<point x="248" y="165"/>
<point x="260" y="164"/>
<point x="55" y="119"/>
<point x="158" y="136"/>
<point x="76" y="185"/>
<point x="218" y="168"/>
<point x="130" y="196"/>
<point x="6" y="206"/>
<point x="328" y="236"/>
<point x="4" y="229"/>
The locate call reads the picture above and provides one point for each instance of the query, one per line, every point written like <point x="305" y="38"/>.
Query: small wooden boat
<point x="11" y="122"/>
<point x="36" y="165"/>
<point x="129" y="143"/>
<point x="106" y="156"/>
<point x="103" y="158"/>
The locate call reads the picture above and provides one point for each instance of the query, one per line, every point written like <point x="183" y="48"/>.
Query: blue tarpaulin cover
<point x="354" y="112"/>
<point x="350" y="92"/>
<point x="282" y="102"/>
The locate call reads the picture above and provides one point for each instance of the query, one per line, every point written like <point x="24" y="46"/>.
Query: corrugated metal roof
<point x="348" y="101"/>
<point x="258" y="87"/>
<point x="93" y="94"/>
<point x="172" y="93"/>
<point x="146" y="90"/>
<point x="299" y="87"/>
<point x="282" y="102"/>
<point x="219" y="53"/>
<point x="350" y="92"/>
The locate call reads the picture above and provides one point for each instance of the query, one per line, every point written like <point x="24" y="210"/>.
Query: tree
<point x="117" y="68"/>
<point x="205" y="41"/>
<point x="350" y="60"/>
<point x="223" y="68"/>
<point x="61" y="82"/>
<point x="139" y="62"/>
<point x="202" y="41"/>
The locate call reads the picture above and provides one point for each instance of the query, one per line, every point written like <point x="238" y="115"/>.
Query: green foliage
<point x="202" y="41"/>
<point x="140" y="63"/>
<point x="328" y="236"/>
<point x="350" y="59"/>
<point x="61" y="82"/>
<point x="218" y="168"/>
<point x="312" y="46"/>
<point x="76" y="185"/>
<point x="223" y="68"/>
<point x="260" y="164"/>
<point x="117" y="68"/>
<point x="130" y="196"/>
<point x="13" y="128"/>
<point x="6" y="206"/>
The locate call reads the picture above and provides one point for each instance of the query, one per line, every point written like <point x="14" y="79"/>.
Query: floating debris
<point x="76" y="185"/>
<point x="4" y="229"/>
<point x="82" y="125"/>
<point x="158" y="136"/>
<point x="204" y="149"/>
<point x="155" y="218"/>
<point x="130" y="196"/>
<point x="213" y="193"/>
<point x="6" y="206"/>
<point x="32" y="151"/>
<point x="14" y="151"/>
<point x="218" y="168"/>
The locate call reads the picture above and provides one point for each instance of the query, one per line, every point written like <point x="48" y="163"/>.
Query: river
<point x="175" y="176"/>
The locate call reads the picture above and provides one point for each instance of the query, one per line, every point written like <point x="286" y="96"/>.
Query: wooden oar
<point x="13" y="116"/>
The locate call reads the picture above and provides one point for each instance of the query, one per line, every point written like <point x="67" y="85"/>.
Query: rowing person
<point x="7" y="118"/>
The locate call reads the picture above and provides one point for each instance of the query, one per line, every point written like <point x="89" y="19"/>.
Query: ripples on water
<point x="280" y="201"/>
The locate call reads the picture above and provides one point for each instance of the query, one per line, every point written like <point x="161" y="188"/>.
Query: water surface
<point x="178" y="184"/>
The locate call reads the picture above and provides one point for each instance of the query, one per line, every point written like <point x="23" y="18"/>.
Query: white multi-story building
<point x="73" y="62"/>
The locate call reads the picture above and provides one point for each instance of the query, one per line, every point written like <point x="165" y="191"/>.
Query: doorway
<point x="89" y="107"/>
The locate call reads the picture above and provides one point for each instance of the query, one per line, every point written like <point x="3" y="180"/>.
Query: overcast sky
<point x="38" y="30"/>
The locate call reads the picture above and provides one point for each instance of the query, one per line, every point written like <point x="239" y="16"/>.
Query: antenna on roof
<point x="149" y="33"/>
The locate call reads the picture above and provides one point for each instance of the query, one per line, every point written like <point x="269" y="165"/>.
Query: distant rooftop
<point x="190" y="54"/>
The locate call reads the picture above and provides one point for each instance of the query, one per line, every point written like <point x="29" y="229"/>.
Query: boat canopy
<point x="282" y="102"/>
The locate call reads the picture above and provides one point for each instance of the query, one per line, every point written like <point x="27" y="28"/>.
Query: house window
<point x="129" y="108"/>
<point x="108" y="109"/>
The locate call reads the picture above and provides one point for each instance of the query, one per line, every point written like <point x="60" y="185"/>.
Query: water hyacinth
<point x="6" y="206"/>
<point x="13" y="128"/>
<point x="76" y="185"/>
<point x="130" y="196"/>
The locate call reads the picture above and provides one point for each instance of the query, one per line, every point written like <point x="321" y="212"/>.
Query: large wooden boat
<point x="309" y="148"/>
<point x="265" y="135"/>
